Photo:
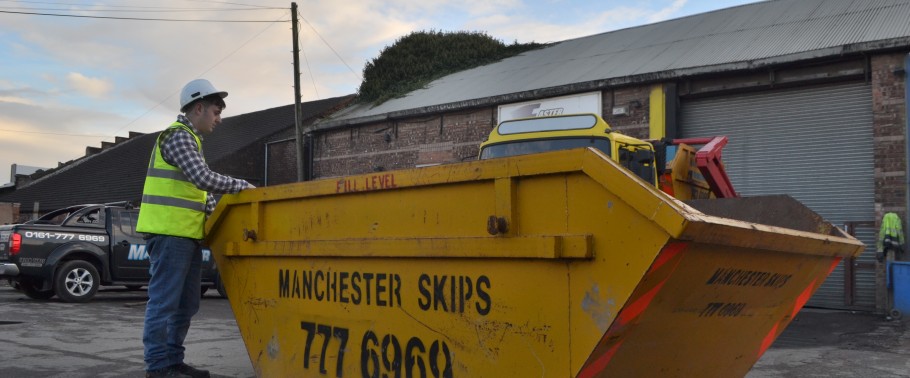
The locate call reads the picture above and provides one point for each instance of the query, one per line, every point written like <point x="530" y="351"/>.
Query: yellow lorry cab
<point x="540" y="134"/>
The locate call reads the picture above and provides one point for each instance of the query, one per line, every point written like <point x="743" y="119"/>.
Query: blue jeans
<point x="174" y="294"/>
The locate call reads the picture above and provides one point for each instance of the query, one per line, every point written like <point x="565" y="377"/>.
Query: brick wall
<point x="282" y="167"/>
<point x="404" y="143"/>
<point x="889" y="138"/>
<point x="637" y="99"/>
<point x="889" y="128"/>
<point x="9" y="213"/>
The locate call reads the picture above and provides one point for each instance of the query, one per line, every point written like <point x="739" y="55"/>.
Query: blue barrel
<point x="900" y="281"/>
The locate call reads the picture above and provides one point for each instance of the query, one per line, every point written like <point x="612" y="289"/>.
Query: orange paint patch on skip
<point x="766" y="343"/>
<point x="803" y="298"/>
<point x="600" y="363"/>
<point x="639" y="305"/>
<point x="634" y="309"/>
<point x="834" y="264"/>
<point x="668" y="253"/>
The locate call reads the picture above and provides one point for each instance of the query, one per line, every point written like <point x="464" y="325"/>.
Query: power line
<point x="137" y="18"/>
<point x="312" y="79"/>
<point x="330" y="46"/>
<point x="230" y="3"/>
<point x="159" y="10"/>
<point x="60" y="134"/>
<point x="249" y="6"/>
<point x="206" y="71"/>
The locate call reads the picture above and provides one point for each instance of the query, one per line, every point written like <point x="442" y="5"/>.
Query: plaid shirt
<point x="179" y="149"/>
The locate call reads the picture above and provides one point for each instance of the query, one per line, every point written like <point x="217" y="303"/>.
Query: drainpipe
<point x="308" y="155"/>
<point x="265" y="172"/>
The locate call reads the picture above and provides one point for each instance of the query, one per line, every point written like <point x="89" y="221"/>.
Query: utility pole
<point x="297" y="116"/>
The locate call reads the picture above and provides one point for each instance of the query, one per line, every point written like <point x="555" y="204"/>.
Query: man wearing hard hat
<point x="176" y="199"/>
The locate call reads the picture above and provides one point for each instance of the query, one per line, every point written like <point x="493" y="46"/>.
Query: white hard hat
<point x="197" y="89"/>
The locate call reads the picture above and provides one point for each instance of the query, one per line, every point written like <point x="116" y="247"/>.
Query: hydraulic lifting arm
<point x="708" y="161"/>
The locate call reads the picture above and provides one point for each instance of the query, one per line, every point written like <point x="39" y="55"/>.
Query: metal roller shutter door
<point x="813" y="143"/>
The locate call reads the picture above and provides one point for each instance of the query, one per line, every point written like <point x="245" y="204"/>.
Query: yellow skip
<point x="557" y="264"/>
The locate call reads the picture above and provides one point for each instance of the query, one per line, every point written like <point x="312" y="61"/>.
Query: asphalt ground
<point x="103" y="338"/>
<point x="827" y="343"/>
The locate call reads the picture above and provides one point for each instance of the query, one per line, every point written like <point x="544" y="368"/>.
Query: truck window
<point x="639" y="160"/>
<point x="54" y="217"/>
<point x="92" y="216"/>
<point x="530" y="125"/>
<point x="524" y="147"/>
<point x="126" y="220"/>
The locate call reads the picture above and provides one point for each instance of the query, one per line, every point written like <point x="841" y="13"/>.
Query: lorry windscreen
<point x="524" y="147"/>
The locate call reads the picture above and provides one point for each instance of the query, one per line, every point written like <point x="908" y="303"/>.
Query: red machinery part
<point x="708" y="160"/>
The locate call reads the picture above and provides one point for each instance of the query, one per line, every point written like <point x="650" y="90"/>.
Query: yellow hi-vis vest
<point x="171" y="204"/>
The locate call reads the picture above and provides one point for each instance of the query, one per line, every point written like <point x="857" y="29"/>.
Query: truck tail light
<point x="15" y="243"/>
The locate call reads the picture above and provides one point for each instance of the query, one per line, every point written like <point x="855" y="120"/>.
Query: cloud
<point x="16" y="100"/>
<point x="667" y="12"/>
<point x="49" y="117"/>
<point x="44" y="134"/>
<point x="90" y="86"/>
<point x="33" y="150"/>
<point x="526" y="28"/>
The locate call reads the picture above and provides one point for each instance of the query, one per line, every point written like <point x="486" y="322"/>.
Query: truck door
<point x="129" y="259"/>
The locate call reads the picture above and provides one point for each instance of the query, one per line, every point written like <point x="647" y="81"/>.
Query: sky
<point x="67" y="83"/>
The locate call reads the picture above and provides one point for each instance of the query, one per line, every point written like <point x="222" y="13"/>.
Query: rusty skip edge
<point x="755" y="237"/>
<point x="681" y="222"/>
<point x="708" y="229"/>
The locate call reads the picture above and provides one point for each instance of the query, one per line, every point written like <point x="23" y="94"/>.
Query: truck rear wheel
<point x="76" y="281"/>
<point x="31" y="290"/>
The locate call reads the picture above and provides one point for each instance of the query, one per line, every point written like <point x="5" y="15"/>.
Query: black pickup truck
<point x="73" y="251"/>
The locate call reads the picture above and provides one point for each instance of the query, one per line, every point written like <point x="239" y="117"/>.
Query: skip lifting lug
<point x="497" y="225"/>
<point x="249" y="235"/>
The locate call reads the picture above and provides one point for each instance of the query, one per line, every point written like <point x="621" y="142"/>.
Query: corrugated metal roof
<point x="745" y="36"/>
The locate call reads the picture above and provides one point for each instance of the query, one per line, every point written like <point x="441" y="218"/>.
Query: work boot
<point x="190" y="371"/>
<point x="166" y="372"/>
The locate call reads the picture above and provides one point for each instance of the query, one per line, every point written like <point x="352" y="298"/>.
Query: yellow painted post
<point x="658" y="116"/>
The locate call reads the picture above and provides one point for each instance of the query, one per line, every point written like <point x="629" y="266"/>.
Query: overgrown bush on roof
<point x="416" y="59"/>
